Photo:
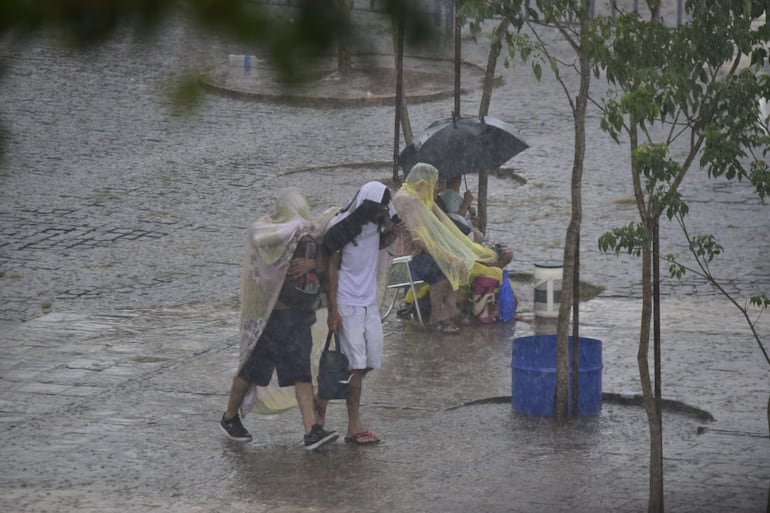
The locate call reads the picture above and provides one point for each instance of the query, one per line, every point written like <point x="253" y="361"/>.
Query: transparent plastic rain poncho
<point x="271" y="243"/>
<point x="454" y="253"/>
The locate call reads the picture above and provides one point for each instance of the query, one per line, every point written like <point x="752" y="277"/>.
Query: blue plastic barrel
<point x="533" y="375"/>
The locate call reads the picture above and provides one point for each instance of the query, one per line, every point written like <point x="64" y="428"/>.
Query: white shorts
<point x="361" y="336"/>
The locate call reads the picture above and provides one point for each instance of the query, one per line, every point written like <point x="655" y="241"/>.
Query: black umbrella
<point x="463" y="145"/>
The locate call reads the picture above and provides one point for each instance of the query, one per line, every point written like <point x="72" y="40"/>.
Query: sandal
<point x="445" y="327"/>
<point x="363" y="438"/>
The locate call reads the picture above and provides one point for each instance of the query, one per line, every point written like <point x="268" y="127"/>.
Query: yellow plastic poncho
<point x="454" y="253"/>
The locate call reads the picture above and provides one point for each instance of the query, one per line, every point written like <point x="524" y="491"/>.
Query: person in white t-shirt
<point x="354" y="244"/>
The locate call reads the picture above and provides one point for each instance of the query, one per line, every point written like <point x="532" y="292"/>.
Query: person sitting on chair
<point x="455" y="202"/>
<point x="443" y="255"/>
<point x="452" y="203"/>
<point x="458" y="207"/>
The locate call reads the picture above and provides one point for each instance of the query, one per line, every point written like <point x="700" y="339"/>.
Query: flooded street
<point x="122" y="235"/>
<point x="96" y="162"/>
<point x="130" y="425"/>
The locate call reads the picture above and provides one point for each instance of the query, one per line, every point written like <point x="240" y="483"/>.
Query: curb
<point x="311" y="100"/>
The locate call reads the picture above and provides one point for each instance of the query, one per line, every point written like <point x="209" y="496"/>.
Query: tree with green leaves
<point x="683" y="88"/>
<point x="679" y="86"/>
<point x="572" y="21"/>
<point x="314" y="29"/>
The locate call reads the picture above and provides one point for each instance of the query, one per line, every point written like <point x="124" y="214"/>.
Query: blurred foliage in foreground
<point x="287" y="38"/>
<point x="314" y="28"/>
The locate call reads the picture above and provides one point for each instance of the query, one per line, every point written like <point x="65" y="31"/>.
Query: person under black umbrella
<point x="443" y="257"/>
<point x="458" y="207"/>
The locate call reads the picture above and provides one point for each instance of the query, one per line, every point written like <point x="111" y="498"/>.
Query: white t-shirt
<point x="358" y="271"/>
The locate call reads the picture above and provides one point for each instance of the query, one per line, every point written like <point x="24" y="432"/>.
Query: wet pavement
<point x="122" y="231"/>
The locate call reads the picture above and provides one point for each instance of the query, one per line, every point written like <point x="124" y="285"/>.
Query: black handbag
<point x="333" y="372"/>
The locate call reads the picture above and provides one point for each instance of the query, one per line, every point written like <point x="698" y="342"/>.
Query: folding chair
<point x="402" y="275"/>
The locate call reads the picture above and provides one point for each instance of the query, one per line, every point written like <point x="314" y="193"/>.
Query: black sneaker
<point x="319" y="437"/>
<point x="234" y="429"/>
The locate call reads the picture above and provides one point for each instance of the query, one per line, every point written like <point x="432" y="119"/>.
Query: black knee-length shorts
<point x="285" y="347"/>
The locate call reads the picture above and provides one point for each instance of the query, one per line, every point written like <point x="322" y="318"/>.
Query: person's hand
<point x="334" y="321"/>
<point x="299" y="267"/>
<point x="395" y="224"/>
<point x="468" y="197"/>
<point x="472" y="211"/>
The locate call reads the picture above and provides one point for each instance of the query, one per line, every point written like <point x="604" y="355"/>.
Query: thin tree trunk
<point x="406" y="125"/>
<point x="398" y="53"/>
<point x="655" y="499"/>
<point x="571" y="248"/>
<point x="644" y="369"/>
<point x="458" y="59"/>
<point x="570" y="290"/>
<point x="561" y="400"/>
<point x="656" y="353"/>
<point x="486" y="98"/>
<point x="655" y="504"/>
<point x="576" y="330"/>
<point x="489" y="75"/>
<point x="482" y="201"/>
<point x="344" y="59"/>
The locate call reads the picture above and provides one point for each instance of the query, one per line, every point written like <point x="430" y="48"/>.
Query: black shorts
<point x="285" y="347"/>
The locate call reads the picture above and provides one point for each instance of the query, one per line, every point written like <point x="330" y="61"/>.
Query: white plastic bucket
<point x="547" y="290"/>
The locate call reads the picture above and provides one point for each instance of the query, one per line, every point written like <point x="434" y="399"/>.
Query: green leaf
<point x="632" y="239"/>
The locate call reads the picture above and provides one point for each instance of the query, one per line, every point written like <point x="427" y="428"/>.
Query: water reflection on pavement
<point x="141" y="433"/>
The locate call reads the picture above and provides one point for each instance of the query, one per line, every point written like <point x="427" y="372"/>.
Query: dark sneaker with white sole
<point x="234" y="429"/>
<point x="318" y="437"/>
